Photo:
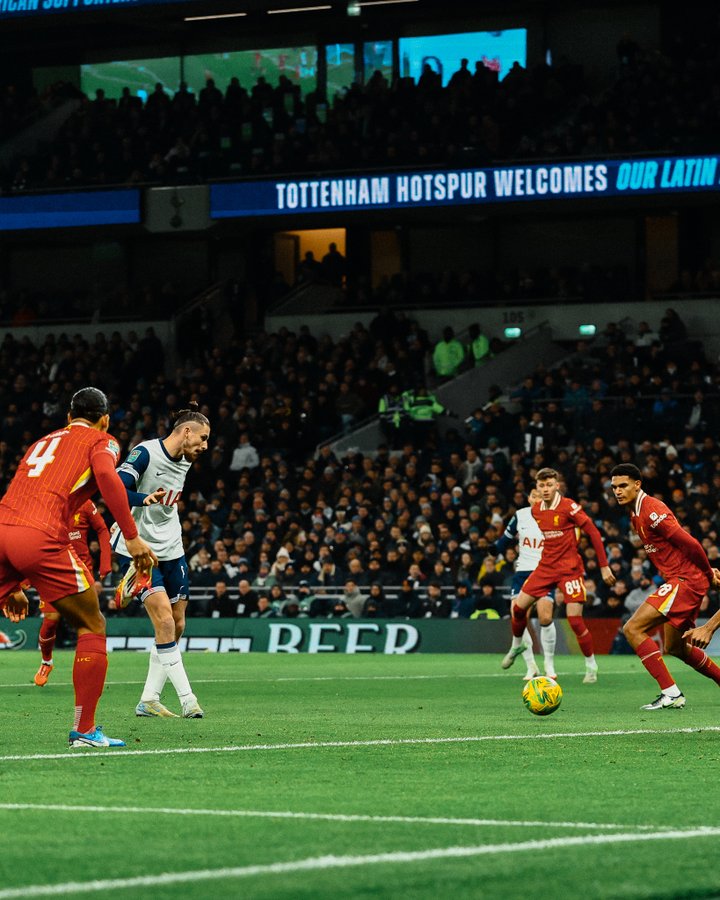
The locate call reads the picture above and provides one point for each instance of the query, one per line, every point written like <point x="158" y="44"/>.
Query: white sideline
<point x="338" y="862"/>
<point x="103" y="754"/>
<point x="323" y="817"/>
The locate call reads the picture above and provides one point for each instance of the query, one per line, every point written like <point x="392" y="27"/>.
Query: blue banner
<point x="70" y="210"/>
<point x="14" y="9"/>
<point x="465" y="187"/>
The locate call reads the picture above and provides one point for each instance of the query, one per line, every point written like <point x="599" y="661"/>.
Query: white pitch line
<point x="87" y="753"/>
<point x="319" y="863"/>
<point x="300" y="678"/>
<point x="323" y="817"/>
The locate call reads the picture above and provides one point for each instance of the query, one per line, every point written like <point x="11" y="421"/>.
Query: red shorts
<point x="52" y="568"/>
<point x="678" y="602"/>
<point x="543" y="582"/>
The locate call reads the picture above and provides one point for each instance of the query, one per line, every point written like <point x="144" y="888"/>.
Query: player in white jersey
<point x="523" y="528"/>
<point x="154" y="477"/>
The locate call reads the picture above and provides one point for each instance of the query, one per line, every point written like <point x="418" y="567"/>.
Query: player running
<point x="682" y="562"/>
<point x="54" y="478"/>
<point x="82" y="521"/>
<point x="523" y="528"/>
<point x="561" y="565"/>
<point x="154" y="478"/>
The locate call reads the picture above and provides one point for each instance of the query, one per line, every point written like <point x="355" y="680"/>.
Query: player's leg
<point x="528" y="654"/>
<point x="584" y="638"/>
<point x="82" y="611"/>
<point x="548" y="634"/>
<point x="531" y="669"/>
<point x="637" y="630"/>
<point x="518" y="624"/>
<point x="692" y="656"/>
<point x="56" y="572"/>
<point x="190" y="709"/>
<point x="46" y="640"/>
<point x="159" y="609"/>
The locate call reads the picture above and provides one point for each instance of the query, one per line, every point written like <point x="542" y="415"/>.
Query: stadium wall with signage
<point x="302" y="635"/>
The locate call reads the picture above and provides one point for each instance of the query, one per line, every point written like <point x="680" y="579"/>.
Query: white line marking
<point x="324" y="817"/>
<point x="250" y="680"/>
<point x="339" y="862"/>
<point x="381" y="742"/>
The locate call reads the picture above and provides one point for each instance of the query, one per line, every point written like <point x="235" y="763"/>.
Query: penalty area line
<point x="322" y="817"/>
<point x="320" y="863"/>
<point x="87" y="753"/>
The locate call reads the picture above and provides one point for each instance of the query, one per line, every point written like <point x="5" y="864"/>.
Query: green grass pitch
<point x="361" y="776"/>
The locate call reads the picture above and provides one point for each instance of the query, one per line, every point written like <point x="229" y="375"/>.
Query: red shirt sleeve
<point x="98" y="525"/>
<point x="113" y="491"/>
<point x="692" y="549"/>
<point x="583" y="520"/>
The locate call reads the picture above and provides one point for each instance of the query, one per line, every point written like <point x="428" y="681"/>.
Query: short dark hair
<point x="88" y="403"/>
<point x="629" y="469"/>
<point x="191" y="414"/>
<point x="546" y="473"/>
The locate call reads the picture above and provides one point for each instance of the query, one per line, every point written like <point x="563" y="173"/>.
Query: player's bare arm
<point x="16" y="606"/>
<point x="701" y="635"/>
<point x="607" y="575"/>
<point x="155" y="497"/>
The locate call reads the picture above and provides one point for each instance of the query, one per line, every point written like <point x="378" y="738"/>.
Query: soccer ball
<point x="542" y="696"/>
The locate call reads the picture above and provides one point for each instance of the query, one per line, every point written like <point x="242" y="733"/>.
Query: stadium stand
<point x="541" y="112"/>
<point x="267" y="508"/>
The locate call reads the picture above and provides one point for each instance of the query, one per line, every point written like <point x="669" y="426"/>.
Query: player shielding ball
<point x="682" y="562"/>
<point x="154" y="478"/>
<point x="524" y="529"/>
<point x="81" y="522"/>
<point x="56" y="476"/>
<point x="561" y="565"/>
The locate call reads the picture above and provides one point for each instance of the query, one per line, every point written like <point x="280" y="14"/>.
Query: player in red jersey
<point x="561" y="565"/>
<point x="682" y="562"/>
<point x="82" y="521"/>
<point x="54" y="478"/>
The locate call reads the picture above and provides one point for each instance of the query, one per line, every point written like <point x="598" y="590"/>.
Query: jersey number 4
<point x="43" y="454"/>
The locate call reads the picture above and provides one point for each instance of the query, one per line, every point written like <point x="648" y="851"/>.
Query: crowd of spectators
<point x="656" y="102"/>
<point x="21" y="306"/>
<point x="582" y="284"/>
<point x="20" y="106"/>
<point x="391" y="532"/>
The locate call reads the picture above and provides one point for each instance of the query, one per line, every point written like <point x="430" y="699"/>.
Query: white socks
<point x="548" y="639"/>
<point x="156" y="678"/>
<point x="528" y="654"/>
<point x="166" y="662"/>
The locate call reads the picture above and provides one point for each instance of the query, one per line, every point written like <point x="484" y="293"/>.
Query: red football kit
<point x="55" y="477"/>
<point x="677" y="556"/>
<point x="86" y="518"/>
<point x="561" y="564"/>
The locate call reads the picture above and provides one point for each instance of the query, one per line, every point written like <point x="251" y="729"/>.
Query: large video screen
<point x="340" y="65"/>
<point x="378" y="57"/>
<point x="140" y="75"/>
<point x="299" y="64"/>
<point x="497" y="50"/>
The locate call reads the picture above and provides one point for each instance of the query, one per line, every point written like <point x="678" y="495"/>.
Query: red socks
<point x="702" y="663"/>
<point x="651" y="658"/>
<point x="48" y="631"/>
<point x="584" y="638"/>
<point x="518" y="620"/>
<point x="88" y="679"/>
